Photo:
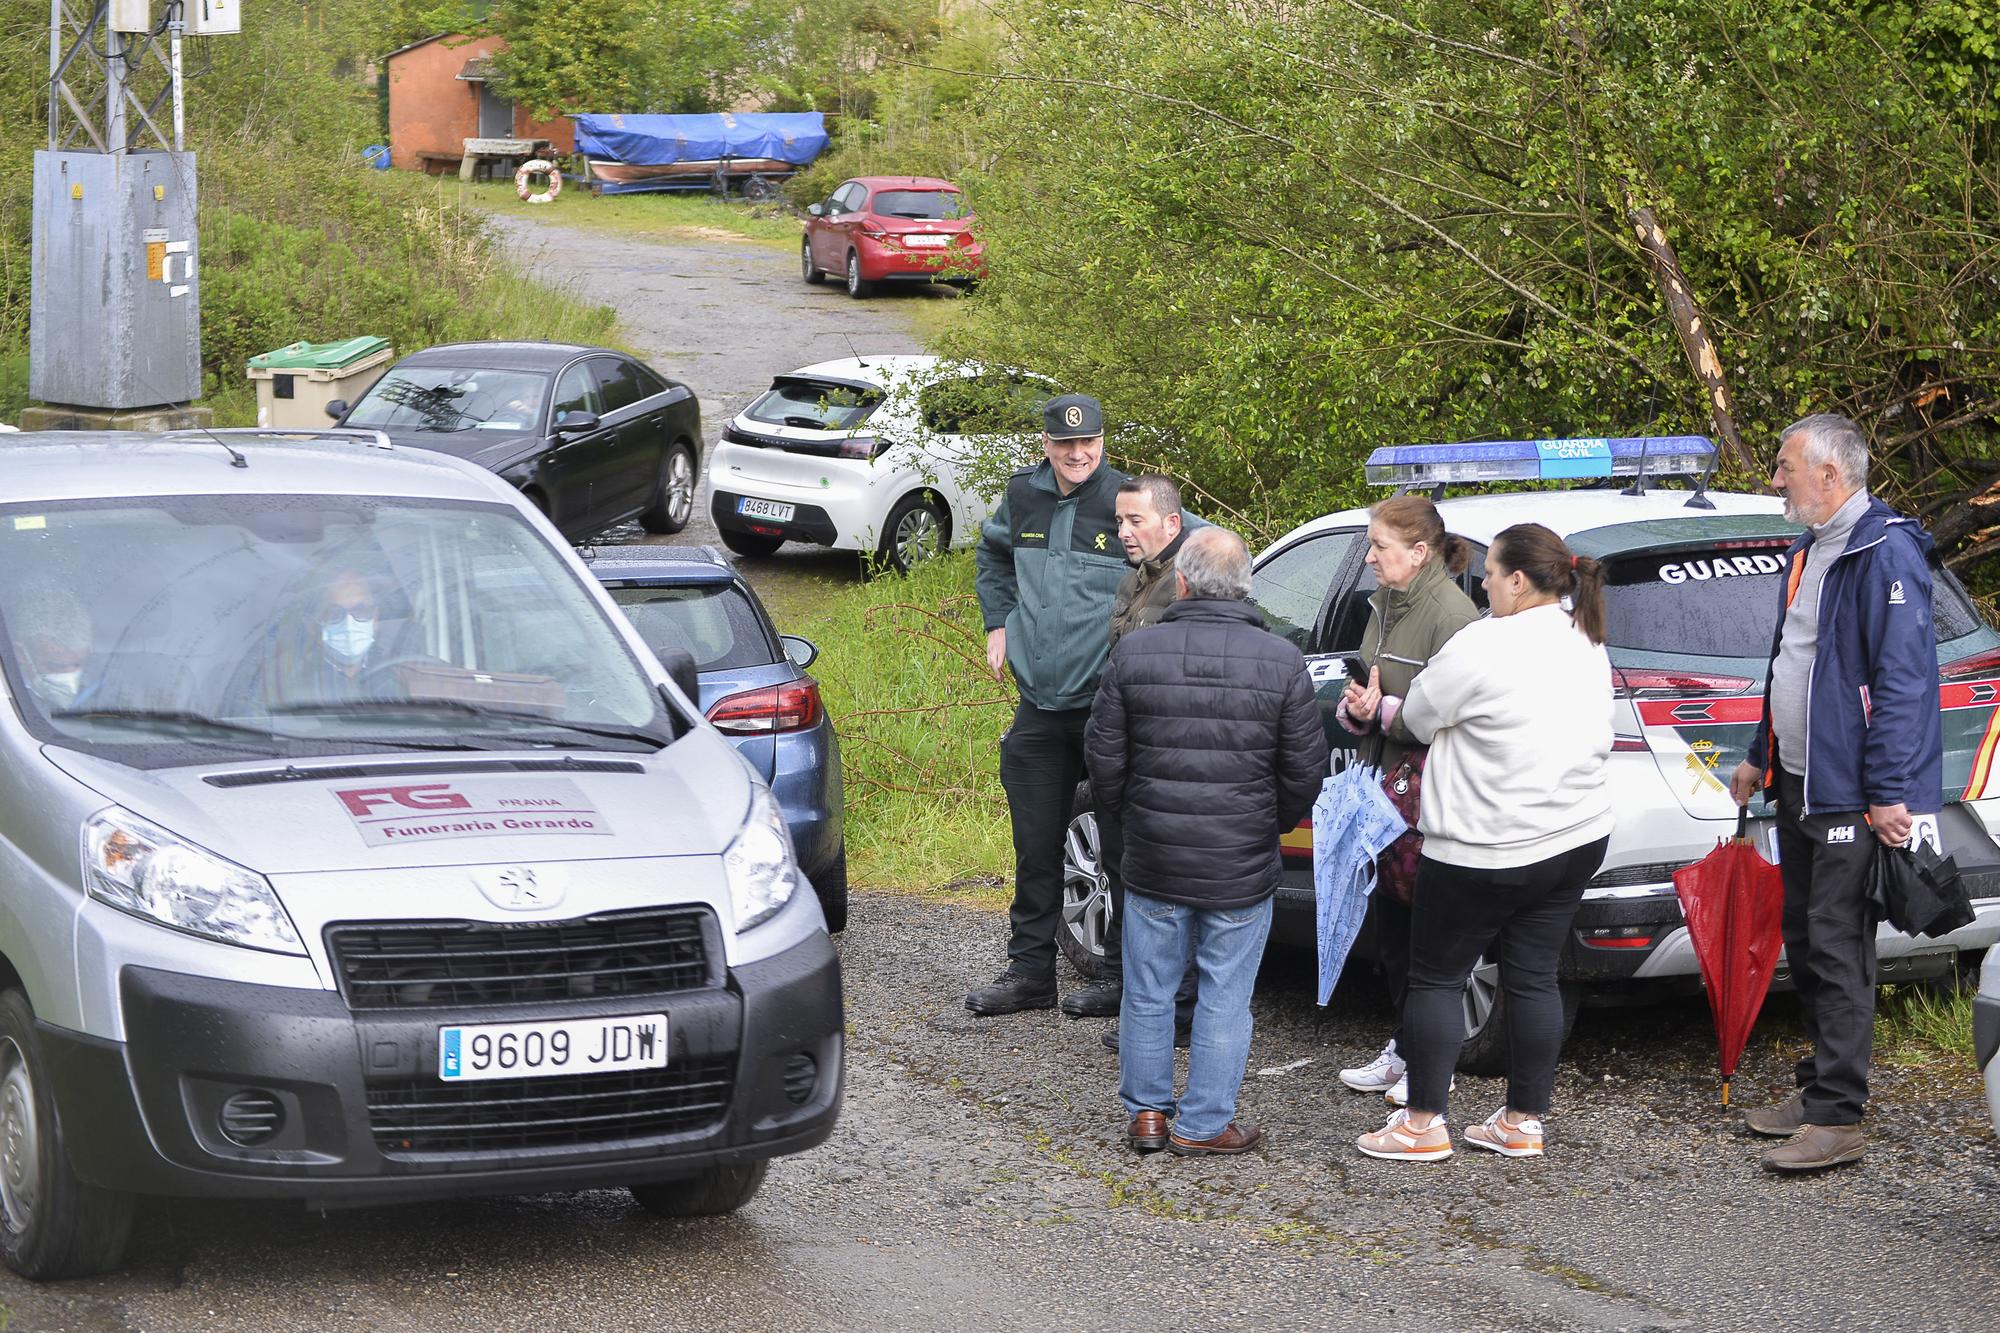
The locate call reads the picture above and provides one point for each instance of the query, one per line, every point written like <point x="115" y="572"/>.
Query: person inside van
<point x="55" y="645"/>
<point x="342" y="650"/>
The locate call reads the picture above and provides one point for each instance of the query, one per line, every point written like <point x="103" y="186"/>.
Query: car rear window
<point x="1724" y="602"/>
<point x="933" y="204"/>
<point x="715" y="623"/>
<point x="813" y="404"/>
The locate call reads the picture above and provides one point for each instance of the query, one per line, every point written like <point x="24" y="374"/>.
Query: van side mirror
<point x="679" y="663"/>
<point x="802" y="652"/>
<point x="337" y="408"/>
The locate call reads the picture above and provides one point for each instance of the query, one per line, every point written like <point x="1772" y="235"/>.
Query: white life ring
<point x="538" y="167"/>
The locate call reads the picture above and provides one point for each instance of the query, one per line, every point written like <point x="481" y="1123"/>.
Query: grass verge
<point x="1926" y="1029"/>
<point x="662" y="216"/>
<point x="903" y="672"/>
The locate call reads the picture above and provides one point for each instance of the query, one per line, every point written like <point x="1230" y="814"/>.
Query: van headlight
<point x="762" y="870"/>
<point x="139" y="867"/>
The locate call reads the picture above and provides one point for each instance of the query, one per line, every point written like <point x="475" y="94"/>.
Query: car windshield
<point x="1723" y="601"/>
<point x="282" y="625"/>
<point x="713" y="623"/>
<point x="814" y="404"/>
<point x="447" y="399"/>
<point x="935" y="205"/>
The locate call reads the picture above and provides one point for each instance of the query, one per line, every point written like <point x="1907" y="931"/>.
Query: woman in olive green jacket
<point x="1416" y="607"/>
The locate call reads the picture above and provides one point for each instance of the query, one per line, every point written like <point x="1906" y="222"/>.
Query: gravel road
<point x="977" y="1179"/>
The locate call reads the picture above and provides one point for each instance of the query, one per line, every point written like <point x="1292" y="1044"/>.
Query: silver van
<point x="353" y="849"/>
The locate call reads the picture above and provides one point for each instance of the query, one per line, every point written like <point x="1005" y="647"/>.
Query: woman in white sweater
<point x="1517" y="710"/>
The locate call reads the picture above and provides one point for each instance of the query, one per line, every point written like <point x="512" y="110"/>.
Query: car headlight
<point x="139" y="867"/>
<point x="760" y="865"/>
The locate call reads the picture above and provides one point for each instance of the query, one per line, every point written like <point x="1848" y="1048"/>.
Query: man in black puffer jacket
<point x="1205" y="740"/>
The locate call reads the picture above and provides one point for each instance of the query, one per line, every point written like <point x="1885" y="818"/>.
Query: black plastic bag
<point x="1918" y="891"/>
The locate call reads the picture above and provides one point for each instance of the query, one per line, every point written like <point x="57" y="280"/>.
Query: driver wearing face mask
<point x="349" y="621"/>
<point x="54" y="641"/>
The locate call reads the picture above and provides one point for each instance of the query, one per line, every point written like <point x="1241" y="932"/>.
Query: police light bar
<point x="1541" y="460"/>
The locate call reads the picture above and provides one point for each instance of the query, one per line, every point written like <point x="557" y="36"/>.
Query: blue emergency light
<point x="1639" y="457"/>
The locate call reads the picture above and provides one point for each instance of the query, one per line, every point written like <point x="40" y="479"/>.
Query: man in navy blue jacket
<point x="1852" y="751"/>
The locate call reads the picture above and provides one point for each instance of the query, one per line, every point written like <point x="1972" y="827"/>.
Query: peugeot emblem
<point x="520" y="888"/>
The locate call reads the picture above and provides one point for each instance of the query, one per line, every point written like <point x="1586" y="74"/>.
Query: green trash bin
<point x="294" y="384"/>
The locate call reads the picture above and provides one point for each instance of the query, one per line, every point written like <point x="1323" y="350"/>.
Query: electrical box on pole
<point x="115" y="272"/>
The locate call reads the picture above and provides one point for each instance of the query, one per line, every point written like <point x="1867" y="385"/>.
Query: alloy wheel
<point x="1086" y="896"/>
<point x="1482" y="992"/>
<point x="680" y="486"/>
<point x="918" y="537"/>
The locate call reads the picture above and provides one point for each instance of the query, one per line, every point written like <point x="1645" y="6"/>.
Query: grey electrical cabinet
<point x="114" y="295"/>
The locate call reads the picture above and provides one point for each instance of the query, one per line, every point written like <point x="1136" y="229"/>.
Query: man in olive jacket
<point x="1049" y="563"/>
<point x="1206" y="741"/>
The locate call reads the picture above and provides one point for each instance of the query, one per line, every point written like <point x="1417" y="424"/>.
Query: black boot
<point x="1183" y="1038"/>
<point x="1011" y="992"/>
<point x="1097" y="1000"/>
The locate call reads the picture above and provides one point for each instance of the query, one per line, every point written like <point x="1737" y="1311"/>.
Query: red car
<point x="892" y="229"/>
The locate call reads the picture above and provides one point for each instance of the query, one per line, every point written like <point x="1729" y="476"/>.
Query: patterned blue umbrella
<point x="1353" y="821"/>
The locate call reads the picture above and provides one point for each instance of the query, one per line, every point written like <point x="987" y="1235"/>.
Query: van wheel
<point x="749" y="543"/>
<point x="52" y="1225"/>
<point x="718" y="1190"/>
<point x="673" y="495"/>
<point x="1486" y="1049"/>
<point x="1086" y="889"/>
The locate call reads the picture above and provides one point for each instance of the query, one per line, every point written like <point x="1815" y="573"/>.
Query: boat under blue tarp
<point x="696" y="152"/>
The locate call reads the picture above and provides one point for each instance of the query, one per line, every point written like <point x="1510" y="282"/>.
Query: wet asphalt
<point x="977" y="1178"/>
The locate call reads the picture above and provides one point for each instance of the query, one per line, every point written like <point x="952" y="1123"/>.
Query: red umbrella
<point x="1733" y="900"/>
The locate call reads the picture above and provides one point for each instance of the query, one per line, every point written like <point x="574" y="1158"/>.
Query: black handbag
<point x="1918" y="892"/>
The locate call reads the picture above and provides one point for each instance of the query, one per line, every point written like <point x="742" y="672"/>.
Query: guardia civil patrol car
<point x="1692" y="580"/>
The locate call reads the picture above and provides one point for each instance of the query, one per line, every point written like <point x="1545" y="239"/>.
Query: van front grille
<point x="464" y="964"/>
<point x="424" y="1115"/>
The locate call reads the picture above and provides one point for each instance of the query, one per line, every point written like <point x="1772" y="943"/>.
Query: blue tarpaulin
<point x="793" y="137"/>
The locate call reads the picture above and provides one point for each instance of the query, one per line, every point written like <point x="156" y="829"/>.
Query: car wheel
<point x="915" y="530"/>
<point x="857" y="287"/>
<point x="1086" y="889"/>
<point x="718" y="1190"/>
<point x="1485" y="1004"/>
<point x="52" y="1225"/>
<point x="831" y="885"/>
<point x="806" y="265"/>
<point x="749" y="543"/>
<point x="673" y="497"/>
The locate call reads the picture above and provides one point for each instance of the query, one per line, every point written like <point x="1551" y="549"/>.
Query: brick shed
<point x="439" y="97"/>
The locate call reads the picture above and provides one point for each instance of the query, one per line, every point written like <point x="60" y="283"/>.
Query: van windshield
<point x="159" y="631"/>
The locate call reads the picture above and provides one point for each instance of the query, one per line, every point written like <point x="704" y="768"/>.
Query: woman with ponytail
<point x="1416" y="607"/>
<point x="1517" y="710"/>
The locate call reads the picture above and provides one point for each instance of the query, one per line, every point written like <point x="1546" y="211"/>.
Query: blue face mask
<point x="348" y="640"/>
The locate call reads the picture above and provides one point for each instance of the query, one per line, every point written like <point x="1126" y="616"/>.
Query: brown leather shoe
<point x="1781" y="1121"/>
<point x="1148" y="1132"/>
<point x="1818" y="1147"/>
<point x="1235" y="1139"/>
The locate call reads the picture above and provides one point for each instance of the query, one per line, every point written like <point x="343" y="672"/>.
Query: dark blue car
<point x="753" y="687"/>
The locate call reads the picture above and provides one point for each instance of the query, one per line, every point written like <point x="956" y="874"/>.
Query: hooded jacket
<point x="1405" y="629"/>
<point x="1873" y="732"/>
<point x="1206" y="743"/>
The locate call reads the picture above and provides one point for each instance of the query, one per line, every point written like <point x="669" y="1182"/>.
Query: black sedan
<point x="591" y="436"/>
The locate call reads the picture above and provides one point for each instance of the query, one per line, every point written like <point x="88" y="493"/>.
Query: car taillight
<point x="1978" y="664"/>
<point x="870" y="227"/>
<point x="793" y="706"/>
<point x="1618" y="937"/>
<point x="1634" y="681"/>
<point x="865" y="446"/>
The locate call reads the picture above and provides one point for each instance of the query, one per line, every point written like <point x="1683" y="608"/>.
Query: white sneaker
<point x="1379" y="1073"/>
<point x="1399" y="1093"/>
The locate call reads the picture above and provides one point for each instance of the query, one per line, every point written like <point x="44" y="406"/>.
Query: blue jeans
<point x="1228" y="946"/>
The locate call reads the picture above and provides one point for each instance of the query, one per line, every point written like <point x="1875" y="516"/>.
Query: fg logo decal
<point x="428" y="796"/>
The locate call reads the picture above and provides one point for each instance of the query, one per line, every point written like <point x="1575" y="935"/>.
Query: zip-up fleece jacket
<point x="1146" y="591"/>
<point x="1404" y="629"/>
<point x="1049" y="567"/>
<point x="1873" y="733"/>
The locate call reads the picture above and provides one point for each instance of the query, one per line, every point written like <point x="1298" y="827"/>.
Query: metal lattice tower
<point x="107" y="89"/>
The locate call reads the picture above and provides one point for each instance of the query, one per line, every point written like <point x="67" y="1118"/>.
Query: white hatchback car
<point x="1691" y="596"/>
<point x="897" y="457"/>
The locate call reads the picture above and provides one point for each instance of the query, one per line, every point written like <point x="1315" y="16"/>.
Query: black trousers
<point x="1041" y="761"/>
<point x="1830" y="945"/>
<point x="1392" y="951"/>
<point x="1111" y="848"/>
<point x="1456" y="914"/>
